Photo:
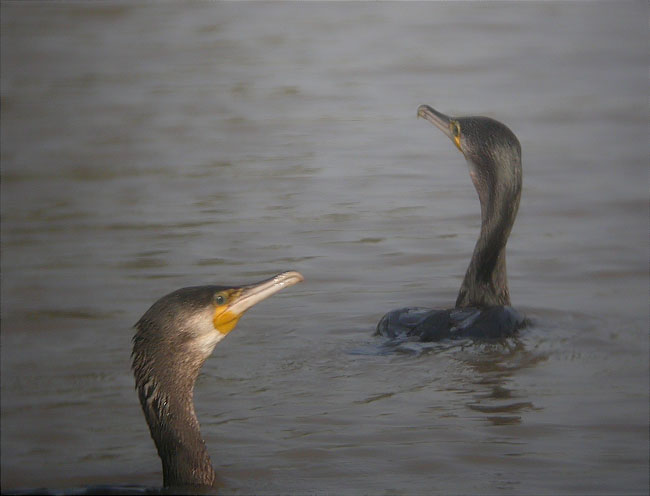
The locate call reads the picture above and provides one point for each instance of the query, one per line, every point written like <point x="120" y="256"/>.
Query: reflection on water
<point x="147" y="148"/>
<point x="493" y="365"/>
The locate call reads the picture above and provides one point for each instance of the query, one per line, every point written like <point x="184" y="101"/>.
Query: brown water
<point x="146" y="148"/>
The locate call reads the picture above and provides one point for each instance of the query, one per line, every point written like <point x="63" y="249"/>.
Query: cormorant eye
<point x="455" y="129"/>
<point x="220" y="299"/>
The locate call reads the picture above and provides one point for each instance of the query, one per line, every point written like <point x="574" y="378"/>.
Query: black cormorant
<point x="173" y="339"/>
<point x="482" y="309"/>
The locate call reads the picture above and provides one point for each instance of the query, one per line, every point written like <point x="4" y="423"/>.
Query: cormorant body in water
<point x="483" y="309"/>
<point x="173" y="339"/>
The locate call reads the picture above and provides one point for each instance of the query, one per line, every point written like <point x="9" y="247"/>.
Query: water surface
<point x="150" y="147"/>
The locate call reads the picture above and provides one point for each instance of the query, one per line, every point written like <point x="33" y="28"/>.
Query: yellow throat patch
<point x="224" y="321"/>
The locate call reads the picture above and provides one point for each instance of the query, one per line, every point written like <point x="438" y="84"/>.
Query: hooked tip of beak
<point x="438" y="119"/>
<point x="422" y="109"/>
<point x="289" y="278"/>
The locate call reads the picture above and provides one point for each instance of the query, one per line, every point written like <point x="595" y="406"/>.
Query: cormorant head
<point x="180" y="330"/>
<point x="492" y="151"/>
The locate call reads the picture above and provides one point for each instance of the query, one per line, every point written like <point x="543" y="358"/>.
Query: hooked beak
<point x="255" y="293"/>
<point x="247" y="296"/>
<point x="441" y="121"/>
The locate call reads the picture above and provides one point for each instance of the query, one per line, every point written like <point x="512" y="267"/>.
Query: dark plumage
<point x="173" y="339"/>
<point x="166" y="363"/>
<point x="482" y="308"/>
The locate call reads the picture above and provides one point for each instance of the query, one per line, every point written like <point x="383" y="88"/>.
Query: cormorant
<point x="173" y="339"/>
<point x="482" y="309"/>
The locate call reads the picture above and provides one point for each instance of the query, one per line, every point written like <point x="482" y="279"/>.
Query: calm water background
<point x="150" y="147"/>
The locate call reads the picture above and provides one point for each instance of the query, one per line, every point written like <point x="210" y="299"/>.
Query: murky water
<point x="146" y="148"/>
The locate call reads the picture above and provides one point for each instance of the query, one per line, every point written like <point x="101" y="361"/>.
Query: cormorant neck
<point x="185" y="458"/>
<point x="486" y="282"/>
<point x="165" y="385"/>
